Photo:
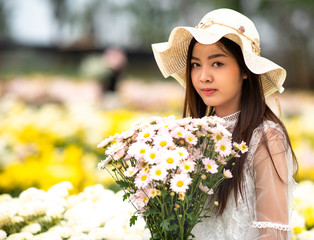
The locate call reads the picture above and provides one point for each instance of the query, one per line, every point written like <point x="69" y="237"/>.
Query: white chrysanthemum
<point x="215" y="120"/>
<point x="158" y="172"/>
<point x="130" y="171"/>
<point x="223" y="147"/>
<point x="146" y="134"/>
<point x="3" y="235"/>
<point x="210" y="165"/>
<point x="61" y="189"/>
<point x="103" y="163"/>
<point x="191" y="139"/>
<point x="170" y="159"/>
<point x="187" y="166"/>
<point x="105" y="142"/>
<point x="55" y="211"/>
<point x="20" y="236"/>
<point x="151" y="156"/>
<point x="138" y="150"/>
<point x="142" y="179"/>
<point x="163" y="141"/>
<point x="32" y="228"/>
<point x="128" y="133"/>
<point x="180" y="183"/>
<point x="179" y="132"/>
<point x="114" y="148"/>
<point x="182" y="152"/>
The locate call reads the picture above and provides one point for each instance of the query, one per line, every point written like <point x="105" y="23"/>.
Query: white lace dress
<point x="267" y="204"/>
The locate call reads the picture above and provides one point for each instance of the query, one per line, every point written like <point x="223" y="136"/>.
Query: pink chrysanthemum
<point x="210" y="165"/>
<point x="227" y="173"/>
<point x="142" y="179"/>
<point x="191" y="139"/>
<point x="242" y="146"/>
<point x="114" y="148"/>
<point x="187" y="166"/>
<point x="130" y="171"/>
<point x="223" y="147"/>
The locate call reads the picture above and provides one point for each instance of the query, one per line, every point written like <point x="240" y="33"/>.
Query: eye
<point x="217" y="64"/>
<point x="195" y="65"/>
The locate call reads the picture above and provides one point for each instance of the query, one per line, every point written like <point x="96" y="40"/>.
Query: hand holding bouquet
<point x="169" y="167"/>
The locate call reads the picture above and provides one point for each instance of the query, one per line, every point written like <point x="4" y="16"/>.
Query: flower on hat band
<point x="206" y="23"/>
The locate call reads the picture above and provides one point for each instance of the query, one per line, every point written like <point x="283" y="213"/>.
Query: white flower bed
<point x="100" y="214"/>
<point x="94" y="214"/>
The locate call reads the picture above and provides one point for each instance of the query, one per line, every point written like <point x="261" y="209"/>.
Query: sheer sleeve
<point x="272" y="168"/>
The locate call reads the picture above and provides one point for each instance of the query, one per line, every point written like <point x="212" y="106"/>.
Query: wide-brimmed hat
<point x="171" y="56"/>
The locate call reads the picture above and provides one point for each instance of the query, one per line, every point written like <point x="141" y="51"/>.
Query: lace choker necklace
<point x="232" y="117"/>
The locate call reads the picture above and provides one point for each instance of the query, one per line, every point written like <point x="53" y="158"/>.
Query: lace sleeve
<point x="272" y="177"/>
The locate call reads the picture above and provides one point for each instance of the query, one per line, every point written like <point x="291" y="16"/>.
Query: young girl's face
<point x="217" y="77"/>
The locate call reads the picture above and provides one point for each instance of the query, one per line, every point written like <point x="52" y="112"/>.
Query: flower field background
<point x="50" y="127"/>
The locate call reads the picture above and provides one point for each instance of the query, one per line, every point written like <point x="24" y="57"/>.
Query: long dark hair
<point x="253" y="112"/>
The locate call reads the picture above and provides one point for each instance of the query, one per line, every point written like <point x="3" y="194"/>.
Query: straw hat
<point x="171" y="56"/>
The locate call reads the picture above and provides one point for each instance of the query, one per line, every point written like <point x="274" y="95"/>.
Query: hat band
<point x="254" y="43"/>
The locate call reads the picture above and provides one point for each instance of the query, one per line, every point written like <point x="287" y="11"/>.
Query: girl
<point x="219" y="64"/>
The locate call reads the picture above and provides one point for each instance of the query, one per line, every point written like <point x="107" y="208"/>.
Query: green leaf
<point x="133" y="220"/>
<point x="165" y="225"/>
<point x="173" y="227"/>
<point x="126" y="196"/>
<point x="123" y="184"/>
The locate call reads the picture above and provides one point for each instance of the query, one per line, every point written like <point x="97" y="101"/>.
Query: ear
<point x="244" y="75"/>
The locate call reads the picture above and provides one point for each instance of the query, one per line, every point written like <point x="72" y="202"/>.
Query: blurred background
<point x="73" y="72"/>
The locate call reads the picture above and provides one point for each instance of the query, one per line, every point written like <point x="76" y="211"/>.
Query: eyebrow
<point x="211" y="56"/>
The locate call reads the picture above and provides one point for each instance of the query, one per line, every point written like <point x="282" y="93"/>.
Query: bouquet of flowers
<point x="169" y="167"/>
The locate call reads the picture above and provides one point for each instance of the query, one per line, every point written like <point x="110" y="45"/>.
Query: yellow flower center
<point x="180" y="183"/>
<point x="190" y="139"/>
<point x="152" y="155"/>
<point x="223" y="148"/>
<point x="209" y="166"/>
<point x="218" y="137"/>
<point x="131" y="172"/>
<point x="179" y="134"/>
<point x="158" y="172"/>
<point x="180" y="154"/>
<point x="143" y="178"/>
<point x="187" y="167"/>
<point x="146" y="135"/>
<point x="170" y="160"/>
<point x="142" y="151"/>
<point x="163" y="143"/>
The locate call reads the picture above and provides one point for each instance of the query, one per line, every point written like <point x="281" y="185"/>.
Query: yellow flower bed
<point x="41" y="146"/>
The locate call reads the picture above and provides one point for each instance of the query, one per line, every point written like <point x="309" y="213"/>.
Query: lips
<point x="208" y="91"/>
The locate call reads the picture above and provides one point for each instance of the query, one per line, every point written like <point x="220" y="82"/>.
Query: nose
<point x="206" y="76"/>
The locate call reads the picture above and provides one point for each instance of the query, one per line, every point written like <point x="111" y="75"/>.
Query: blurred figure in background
<point x="115" y="60"/>
<point x="106" y="68"/>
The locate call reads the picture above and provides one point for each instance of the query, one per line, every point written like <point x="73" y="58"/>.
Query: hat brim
<point x="171" y="56"/>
